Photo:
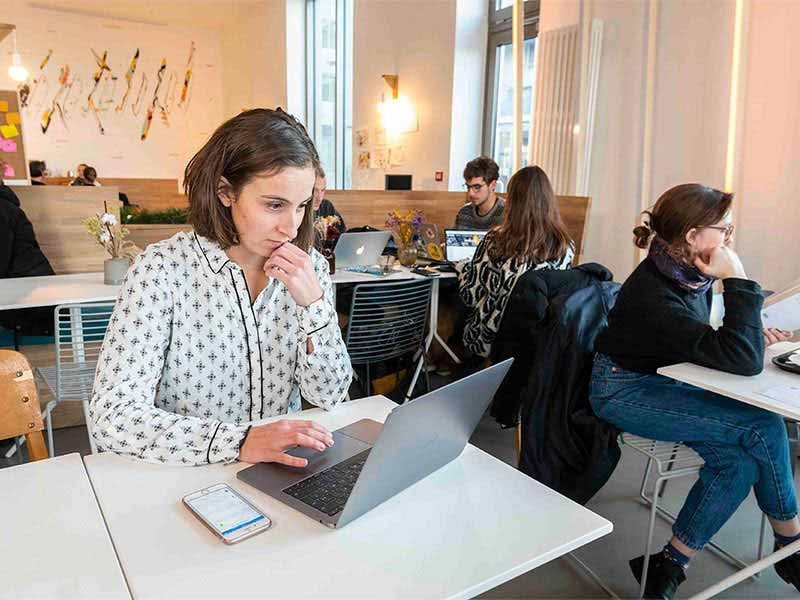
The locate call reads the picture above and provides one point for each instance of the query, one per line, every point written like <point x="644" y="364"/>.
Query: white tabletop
<point x="54" y="541"/>
<point x="739" y="387"/>
<point x="464" y="529"/>
<point x="399" y="274"/>
<point x="30" y="292"/>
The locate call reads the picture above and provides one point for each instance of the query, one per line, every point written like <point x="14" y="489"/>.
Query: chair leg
<point x="368" y="382"/>
<point x="649" y="544"/>
<point x="51" y="447"/>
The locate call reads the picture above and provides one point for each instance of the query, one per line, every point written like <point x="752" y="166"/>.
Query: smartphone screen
<point x="226" y="511"/>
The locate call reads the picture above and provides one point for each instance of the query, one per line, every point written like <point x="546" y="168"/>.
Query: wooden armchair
<point x="20" y="413"/>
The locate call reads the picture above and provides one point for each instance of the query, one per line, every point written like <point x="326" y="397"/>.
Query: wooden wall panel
<point x="57" y="215"/>
<point x="150" y="194"/>
<point x="367" y="207"/>
<point x="144" y="235"/>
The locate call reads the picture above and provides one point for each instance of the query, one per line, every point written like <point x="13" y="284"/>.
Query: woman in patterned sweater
<point x="230" y="323"/>
<point x="532" y="236"/>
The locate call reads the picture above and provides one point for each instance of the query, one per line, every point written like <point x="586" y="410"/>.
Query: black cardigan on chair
<point x="549" y="327"/>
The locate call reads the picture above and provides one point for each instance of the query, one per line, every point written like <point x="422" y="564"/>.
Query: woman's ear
<point x="225" y="192"/>
<point x="691" y="236"/>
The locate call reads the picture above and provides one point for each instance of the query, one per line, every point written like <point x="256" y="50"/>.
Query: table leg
<point x="748" y="571"/>
<point x="433" y="332"/>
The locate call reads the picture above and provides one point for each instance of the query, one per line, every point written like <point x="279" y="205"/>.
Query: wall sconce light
<point x="16" y="71"/>
<point x="397" y="114"/>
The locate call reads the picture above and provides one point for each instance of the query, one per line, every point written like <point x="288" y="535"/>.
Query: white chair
<point x="79" y="332"/>
<point x="388" y="320"/>
<point x="672" y="460"/>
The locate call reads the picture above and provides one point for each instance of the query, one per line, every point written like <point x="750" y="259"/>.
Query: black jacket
<point x="20" y="255"/>
<point x="550" y="326"/>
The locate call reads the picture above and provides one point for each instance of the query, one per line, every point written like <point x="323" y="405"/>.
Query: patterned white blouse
<point x="485" y="287"/>
<point x="187" y="361"/>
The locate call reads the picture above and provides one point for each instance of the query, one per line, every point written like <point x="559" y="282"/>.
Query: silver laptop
<point x="460" y="244"/>
<point x="360" y="249"/>
<point x="370" y="463"/>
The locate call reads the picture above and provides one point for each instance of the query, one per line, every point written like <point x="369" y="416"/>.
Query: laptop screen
<point x="460" y="244"/>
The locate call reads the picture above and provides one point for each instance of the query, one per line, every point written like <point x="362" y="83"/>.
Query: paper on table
<point x="786" y="394"/>
<point x="9" y="131"/>
<point x="783" y="315"/>
<point x="12" y="118"/>
<point x="3" y="106"/>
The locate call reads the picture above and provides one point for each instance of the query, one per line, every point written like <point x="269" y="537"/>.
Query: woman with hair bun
<point x="661" y="317"/>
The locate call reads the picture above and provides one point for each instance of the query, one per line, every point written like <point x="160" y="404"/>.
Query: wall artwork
<point x="106" y="96"/>
<point x="363" y="160"/>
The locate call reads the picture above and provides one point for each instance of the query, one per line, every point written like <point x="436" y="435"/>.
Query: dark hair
<point x="483" y="166"/>
<point x="37" y="168"/>
<point x="680" y="209"/>
<point x="255" y="142"/>
<point x="319" y="171"/>
<point x="89" y="175"/>
<point x="532" y="227"/>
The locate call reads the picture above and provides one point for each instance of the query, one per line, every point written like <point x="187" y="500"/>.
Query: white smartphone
<point x="226" y="513"/>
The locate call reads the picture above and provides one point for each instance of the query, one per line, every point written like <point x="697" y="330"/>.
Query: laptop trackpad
<point x="365" y="430"/>
<point x="343" y="448"/>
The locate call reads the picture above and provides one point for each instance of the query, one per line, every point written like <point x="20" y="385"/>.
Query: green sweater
<point x="656" y="323"/>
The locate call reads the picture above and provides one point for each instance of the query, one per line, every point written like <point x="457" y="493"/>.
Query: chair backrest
<point x="79" y="333"/>
<point x="387" y="319"/>
<point x="20" y="413"/>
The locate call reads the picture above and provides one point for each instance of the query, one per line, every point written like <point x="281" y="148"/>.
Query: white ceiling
<point x="190" y="13"/>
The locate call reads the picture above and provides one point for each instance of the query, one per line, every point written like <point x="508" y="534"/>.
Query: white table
<point x="747" y="390"/>
<point x="739" y="387"/>
<point x="32" y="292"/>
<point x="464" y="529"/>
<point x="55" y="543"/>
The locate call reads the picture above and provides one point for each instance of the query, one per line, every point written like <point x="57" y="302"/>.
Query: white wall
<point x="254" y="55"/>
<point x="768" y="234"/>
<point x="120" y="152"/>
<point x="413" y="39"/>
<point x="469" y="74"/>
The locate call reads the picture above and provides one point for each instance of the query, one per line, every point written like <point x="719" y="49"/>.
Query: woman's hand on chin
<point x="722" y="263"/>
<point x="293" y="267"/>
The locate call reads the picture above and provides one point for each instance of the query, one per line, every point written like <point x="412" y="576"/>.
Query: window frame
<point x="500" y="33"/>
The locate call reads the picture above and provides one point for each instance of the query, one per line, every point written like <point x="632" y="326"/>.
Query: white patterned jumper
<point x="188" y="361"/>
<point x="486" y="285"/>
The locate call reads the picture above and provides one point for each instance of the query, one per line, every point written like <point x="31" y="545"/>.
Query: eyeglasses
<point x="476" y="187"/>
<point x="727" y="230"/>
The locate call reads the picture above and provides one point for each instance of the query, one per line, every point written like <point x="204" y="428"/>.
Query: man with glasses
<point x="485" y="209"/>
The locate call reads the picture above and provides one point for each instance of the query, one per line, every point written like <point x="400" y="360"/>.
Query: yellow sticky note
<point x="9" y="131"/>
<point x="3" y="106"/>
<point x="12" y="118"/>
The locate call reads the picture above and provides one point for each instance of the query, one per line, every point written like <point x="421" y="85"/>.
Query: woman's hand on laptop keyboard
<point x="268" y="443"/>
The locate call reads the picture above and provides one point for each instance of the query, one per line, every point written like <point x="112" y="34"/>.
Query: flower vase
<point x="407" y="255"/>
<point x="114" y="270"/>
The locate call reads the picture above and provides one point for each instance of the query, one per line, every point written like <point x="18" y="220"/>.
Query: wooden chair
<point x="20" y="413"/>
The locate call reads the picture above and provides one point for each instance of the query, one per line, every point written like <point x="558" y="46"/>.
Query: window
<point x="329" y="85"/>
<point x="498" y="125"/>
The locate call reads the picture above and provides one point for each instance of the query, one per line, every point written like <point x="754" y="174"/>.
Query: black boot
<point x="663" y="576"/>
<point x="789" y="569"/>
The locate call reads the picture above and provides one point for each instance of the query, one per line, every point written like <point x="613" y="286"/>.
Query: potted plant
<point x="404" y="228"/>
<point x="108" y="232"/>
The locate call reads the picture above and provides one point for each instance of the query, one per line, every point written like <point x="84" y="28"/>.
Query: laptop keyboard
<point x="328" y="490"/>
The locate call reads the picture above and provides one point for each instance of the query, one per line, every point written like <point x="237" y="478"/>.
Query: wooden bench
<point x="150" y="194"/>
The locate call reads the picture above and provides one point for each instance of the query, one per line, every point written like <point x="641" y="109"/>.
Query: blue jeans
<point x="743" y="446"/>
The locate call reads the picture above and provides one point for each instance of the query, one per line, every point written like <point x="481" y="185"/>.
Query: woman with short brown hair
<point x="532" y="236"/>
<point x="661" y="317"/>
<point x="232" y="322"/>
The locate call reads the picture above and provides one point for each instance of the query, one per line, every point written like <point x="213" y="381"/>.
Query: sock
<point x="676" y="556"/>
<point x="782" y="540"/>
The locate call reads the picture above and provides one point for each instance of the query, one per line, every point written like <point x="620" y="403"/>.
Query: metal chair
<point x="19" y="404"/>
<point x="388" y="320"/>
<point x="672" y="460"/>
<point x="79" y="332"/>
